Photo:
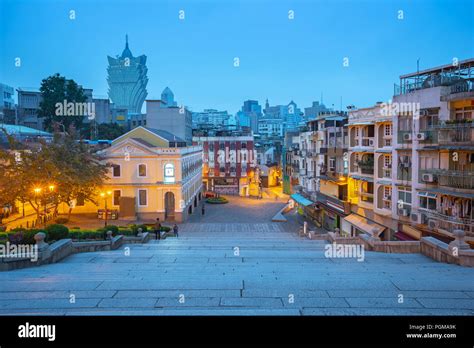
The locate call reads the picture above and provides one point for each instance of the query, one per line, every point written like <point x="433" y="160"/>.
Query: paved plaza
<point x="235" y="261"/>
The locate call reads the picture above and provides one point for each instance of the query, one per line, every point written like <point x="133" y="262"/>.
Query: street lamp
<point x="104" y="196"/>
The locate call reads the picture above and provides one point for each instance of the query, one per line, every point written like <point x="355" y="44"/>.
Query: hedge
<point x="217" y="200"/>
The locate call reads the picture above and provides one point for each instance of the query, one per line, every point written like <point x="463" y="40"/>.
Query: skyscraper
<point x="127" y="80"/>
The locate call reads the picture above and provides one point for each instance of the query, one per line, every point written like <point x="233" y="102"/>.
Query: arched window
<point x="169" y="173"/>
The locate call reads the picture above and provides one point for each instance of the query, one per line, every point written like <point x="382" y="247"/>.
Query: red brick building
<point x="229" y="162"/>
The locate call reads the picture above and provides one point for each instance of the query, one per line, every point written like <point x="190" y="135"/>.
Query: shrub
<point x="217" y="200"/>
<point x="112" y="228"/>
<point x="135" y="228"/>
<point x="165" y="228"/>
<point x="22" y="236"/>
<point x="56" y="232"/>
<point x="61" y="220"/>
<point x="75" y="228"/>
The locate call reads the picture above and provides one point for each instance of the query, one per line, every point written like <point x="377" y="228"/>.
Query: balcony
<point x="338" y="204"/>
<point x="368" y="141"/>
<point x="436" y="220"/>
<point x="456" y="132"/>
<point x="404" y="172"/>
<point x="366" y="167"/>
<point x="449" y="178"/>
<point x="427" y="136"/>
<point x="367" y="197"/>
<point x="302" y="172"/>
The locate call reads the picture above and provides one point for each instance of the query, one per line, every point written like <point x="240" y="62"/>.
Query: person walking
<point x="175" y="230"/>
<point x="157" y="229"/>
<point x="203" y="209"/>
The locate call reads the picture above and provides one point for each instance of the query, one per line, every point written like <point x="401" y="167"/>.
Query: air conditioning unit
<point x="432" y="224"/>
<point x="371" y="142"/>
<point x="420" y="136"/>
<point x="415" y="217"/>
<point x="407" y="136"/>
<point x="428" y="178"/>
<point x="403" y="212"/>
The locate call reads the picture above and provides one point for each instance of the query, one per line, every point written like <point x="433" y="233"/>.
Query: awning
<point x="365" y="225"/>
<point x="384" y="182"/>
<point x="451" y="193"/>
<point x="403" y="236"/>
<point x="363" y="178"/>
<point x="301" y="200"/>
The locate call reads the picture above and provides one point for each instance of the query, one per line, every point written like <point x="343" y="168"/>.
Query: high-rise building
<point x="289" y="116"/>
<point x="210" y="117"/>
<point x="249" y="115"/>
<point x="127" y="78"/>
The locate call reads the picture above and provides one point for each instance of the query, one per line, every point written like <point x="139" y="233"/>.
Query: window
<point x="332" y="163"/>
<point x="116" y="197"/>
<point x="427" y="201"/>
<point x="116" y="170"/>
<point x="169" y="173"/>
<point x="142" y="170"/>
<point x="404" y="194"/>
<point x="388" y="129"/>
<point x="387" y="161"/>
<point x="142" y="198"/>
<point x="387" y="192"/>
<point x="243" y="145"/>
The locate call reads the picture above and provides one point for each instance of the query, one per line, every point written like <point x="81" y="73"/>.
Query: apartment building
<point x="319" y="169"/>
<point x="370" y="171"/>
<point x="434" y="151"/>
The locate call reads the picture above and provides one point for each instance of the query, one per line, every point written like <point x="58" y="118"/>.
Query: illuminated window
<point x="169" y="173"/>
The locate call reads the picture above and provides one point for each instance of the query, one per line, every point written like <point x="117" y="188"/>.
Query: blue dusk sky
<point x="280" y="59"/>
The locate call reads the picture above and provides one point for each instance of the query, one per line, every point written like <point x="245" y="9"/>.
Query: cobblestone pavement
<point x="242" y="268"/>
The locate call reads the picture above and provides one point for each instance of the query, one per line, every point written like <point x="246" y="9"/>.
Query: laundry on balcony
<point x="365" y="225"/>
<point x="451" y="193"/>
<point x="301" y="200"/>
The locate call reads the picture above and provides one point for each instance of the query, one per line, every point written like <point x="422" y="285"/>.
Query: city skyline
<point x="280" y="59"/>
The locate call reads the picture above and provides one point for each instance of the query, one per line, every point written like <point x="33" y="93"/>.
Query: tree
<point x="54" y="173"/>
<point x="57" y="89"/>
<point x="105" y="131"/>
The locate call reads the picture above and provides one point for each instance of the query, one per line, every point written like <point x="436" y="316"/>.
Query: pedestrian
<point x="157" y="229"/>
<point x="175" y="230"/>
<point x="203" y="209"/>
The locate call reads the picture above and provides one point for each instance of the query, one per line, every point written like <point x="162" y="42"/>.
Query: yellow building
<point x="153" y="174"/>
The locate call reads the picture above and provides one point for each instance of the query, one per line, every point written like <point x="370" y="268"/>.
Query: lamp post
<point x="105" y="195"/>
<point x="37" y="191"/>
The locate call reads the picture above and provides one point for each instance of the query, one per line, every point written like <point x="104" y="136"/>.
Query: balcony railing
<point x="456" y="133"/>
<point x="449" y="223"/>
<point x="366" y="197"/>
<point x="450" y="178"/>
<point x="427" y="136"/>
<point x="462" y="87"/>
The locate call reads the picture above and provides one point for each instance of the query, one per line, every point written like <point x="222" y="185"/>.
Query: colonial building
<point x="153" y="174"/>
<point x="229" y="162"/>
